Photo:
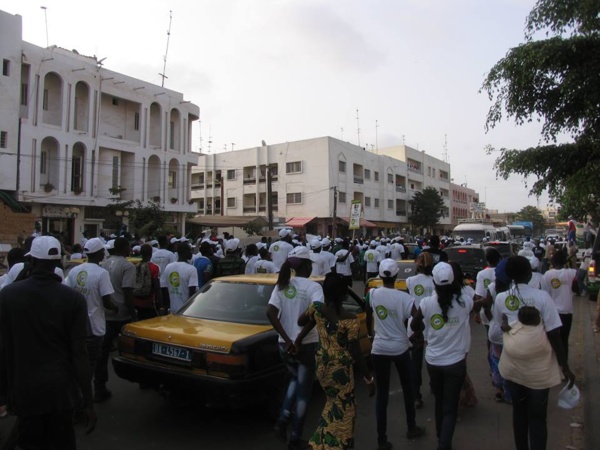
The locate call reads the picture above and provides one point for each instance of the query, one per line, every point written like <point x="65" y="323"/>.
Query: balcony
<point x="249" y="209"/>
<point x="400" y="212"/>
<point x="195" y="187"/>
<point x="359" y="180"/>
<point x="400" y="188"/>
<point x="414" y="169"/>
<point x="250" y="180"/>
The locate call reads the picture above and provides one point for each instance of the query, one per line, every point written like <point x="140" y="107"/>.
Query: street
<point x="135" y="418"/>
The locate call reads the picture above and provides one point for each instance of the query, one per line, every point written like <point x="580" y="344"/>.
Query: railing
<point x="197" y="186"/>
<point x="413" y="169"/>
<point x="249" y="208"/>
<point x="359" y="180"/>
<point x="250" y="180"/>
<point x="400" y="212"/>
<point x="400" y="188"/>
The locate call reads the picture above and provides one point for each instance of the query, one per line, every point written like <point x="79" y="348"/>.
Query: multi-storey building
<point x="76" y="137"/>
<point x="305" y="178"/>
<point x="461" y="202"/>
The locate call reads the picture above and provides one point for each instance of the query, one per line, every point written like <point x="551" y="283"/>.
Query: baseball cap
<point x="136" y="248"/>
<point x="283" y="232"/>
<point x="534" y="262"/>
<point x="109" y="244"/>
<point x="93" y="245"/>
<point x="315" y="243"/>
<point x="154" y="243"/>
<point x="231" y="245"/>
<point x="299" y="252"/>
<point x="45" y="247"/>
<point x="373" y="243"/>
<point x="325" y="242"/>
<point x="174" y="240"/>
<point x="443" y="274"/>
<point x="388" y="268"/>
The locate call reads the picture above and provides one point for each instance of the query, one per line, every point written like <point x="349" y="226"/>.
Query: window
<point x="390" y="204"/>
<point x="367" y="201"/>
<point x="342" y="197"/>
<point x="24" y="93"/>
<point x="3" y="139"/>
<point x="136" y="121"/>
<point x="295" y="197"/>
<point x="45" y="100"/>
<point x="342" y="166"/>
<point x="76" y="172"/>
<point x="428" y="171"/>
<point x="115" y="172"/>
<point x="367" y="174"/>
<point x="171" y="135"/>
<point x="201" y="178"/>
<point x="5" y="67"/>
<point x="231" y="202"/>
<point x="293" y="167"/>
<point x="376" y="203"/>
<point x="390" y="178"/>
<point x="376" y="176"/>
<point x="43" y="162"/>
<point x="230" y="176"/>
<point x="172" y="179"/>
<point x="115" y="101"/>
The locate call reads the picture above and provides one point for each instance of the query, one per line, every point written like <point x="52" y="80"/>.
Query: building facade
<point x="77" y="137"/>
<point x="309" y="179"/>
<point x="462" y="202"/>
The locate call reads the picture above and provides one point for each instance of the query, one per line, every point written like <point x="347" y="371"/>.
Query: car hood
<point x="202" y="334"/>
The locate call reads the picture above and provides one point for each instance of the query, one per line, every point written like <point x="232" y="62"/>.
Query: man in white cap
<point x="281" y="249"/>
<point x="231" y="263"/>
<point x="320" y="261"/>
<point x="327" y="254"/>
<point x="43" y="373"/>
<point x="372" y="258"/>
<point x="163" y="255"/>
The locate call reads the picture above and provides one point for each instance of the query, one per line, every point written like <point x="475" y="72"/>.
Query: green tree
<point x="556" y="81"/>
<point x="253" y="228"/>
<point x="144" y="219"/>
<point x="427" y="208"/>
<point x="533" y="215"/>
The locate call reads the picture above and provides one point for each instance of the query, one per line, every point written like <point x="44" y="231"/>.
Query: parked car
<point x="470" y="258"/>
<point x="506" y="249"/>
<point x="407" y="268"/>
<point x="220" y="346"/>
<point x="410" y="250"/>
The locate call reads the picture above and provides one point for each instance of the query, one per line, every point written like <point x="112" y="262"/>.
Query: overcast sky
<point x="285" y="70"/>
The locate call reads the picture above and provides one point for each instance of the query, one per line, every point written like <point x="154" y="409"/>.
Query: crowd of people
<point x="431" y="322"/>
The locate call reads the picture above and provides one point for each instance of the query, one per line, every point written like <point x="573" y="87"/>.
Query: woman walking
<point x="338" y="335"/>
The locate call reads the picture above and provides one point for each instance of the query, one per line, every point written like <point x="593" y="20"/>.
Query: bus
<point x="475" y="231"/>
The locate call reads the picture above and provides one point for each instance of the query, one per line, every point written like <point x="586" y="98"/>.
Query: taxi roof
<point x="258" y="278"/>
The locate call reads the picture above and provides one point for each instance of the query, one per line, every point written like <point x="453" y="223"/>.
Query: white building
<point x="74" y="136"/>
<point x="305" y="177"/>
<point x="462" y="202"/>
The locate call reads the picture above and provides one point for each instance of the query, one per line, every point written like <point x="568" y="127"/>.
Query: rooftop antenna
<point x="342" y="129"/>
<point x="445" y="148"/>
<point x="357" y="127"/>
<point x="209" y="137"/>
<point x="403" y="140"/>
<point x="167" y="50"/>
<point x="46" y="19"/>
<point x="200" y="133"/>
<point x="376" y="126"/>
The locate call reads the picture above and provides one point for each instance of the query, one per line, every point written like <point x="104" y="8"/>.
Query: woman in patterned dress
<point x="338" y="334"/>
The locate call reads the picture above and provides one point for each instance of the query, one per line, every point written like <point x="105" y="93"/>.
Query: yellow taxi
<point x="407" y="268"/>
<point x="220" y="344"/>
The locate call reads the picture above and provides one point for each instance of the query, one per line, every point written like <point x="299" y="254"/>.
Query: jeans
<point x="581" y="274"/>
<point x="382" y="365"/>
<point x="302" y="371"/>
<point x="113" y="328"/>
<point x="529" y="416"/>
<point x="52" y="430"/>
<point x="565" y="331"/>
<point x="416" y="360"/>
<point x="446" y="384"/>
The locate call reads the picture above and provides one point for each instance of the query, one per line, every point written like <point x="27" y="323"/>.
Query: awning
<point x="387" y="224"/>
<point x="298" y="222"/>
<point x="363" y="222"/>
<point x="227" y="221"/>
<point x="13" y="204"/>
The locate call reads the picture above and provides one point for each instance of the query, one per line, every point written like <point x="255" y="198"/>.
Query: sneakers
<point x="299" y="444"/>
<point x="415" y="432"/>
<point x="280" y="430"/>
<point x="101" y="395"/>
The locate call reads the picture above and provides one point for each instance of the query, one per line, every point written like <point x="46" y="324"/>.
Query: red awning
<point x="363" y="222"/>
<point x="298" y="222"/>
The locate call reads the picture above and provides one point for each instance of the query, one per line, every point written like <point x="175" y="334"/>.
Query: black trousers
<point x="53" y="431"/>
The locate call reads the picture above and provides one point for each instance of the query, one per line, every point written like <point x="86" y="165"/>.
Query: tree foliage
<point x="427" y="208"/>
<point x="144" y="219"/>
<point x="555" y="81"/>
<point x="533" y="215"/>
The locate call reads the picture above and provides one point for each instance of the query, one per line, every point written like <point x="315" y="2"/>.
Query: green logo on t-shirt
<point x="82" y="278"/>
<point x="174" y="279"/>
<point x="512" y="302"/>
<point x="276" y="248"/>
<point x="381" y="312"/>
<point x="555" y="283"/>
<point x="419" y="290"/>
<point x="486" y="282"/>
<point x="437" y="322"/>
<point x="290" y="292"/>
<point x="370" y="257"/>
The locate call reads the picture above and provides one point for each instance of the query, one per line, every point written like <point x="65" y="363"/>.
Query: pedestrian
<point x="434" y="249"/>
<point x="163" y="255"/>
<point x="179" y="280"/>
<point x="147" y="295"/>
<point x="419" y="287"/>
<point x="203" y="264"/>
<point x="344" y="262"/>
<point x="45" y="374"/>
<point x="264" y="264"/>
<point x="122" y="278"/>
<point x="445" y="319"/>
<point x="583" y="270"/>
<point x="372" y="258"/>
<point x="484" y="278"/>
<point x="339" y="350"/>
<point x="558" y="283"/>
<point x="290" y="298"/>
<point x="572" y="229"/>
<point x="391" y="309"/>
<point x="280" y="249"/>
<point x="320" y="265"/>
<point x="231" y="263"/>
<point x="252" y="258"/>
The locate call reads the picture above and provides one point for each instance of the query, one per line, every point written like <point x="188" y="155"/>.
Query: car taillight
<point x="462" y="251"/>
<point x="592" y="270"/>
<point x="232" y="365"/>
<point x="126" y="344"/>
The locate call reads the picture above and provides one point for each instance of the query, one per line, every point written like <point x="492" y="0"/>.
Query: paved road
<point x="135" y="418"/>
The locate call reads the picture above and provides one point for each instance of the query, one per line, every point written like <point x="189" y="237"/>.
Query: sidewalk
<point x="591" y="371"/>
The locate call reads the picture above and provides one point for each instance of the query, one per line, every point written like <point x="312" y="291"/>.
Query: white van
<point x="475" y="231"/>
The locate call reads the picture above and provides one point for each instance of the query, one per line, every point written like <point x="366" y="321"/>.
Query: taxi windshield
<point x="230" y="302"/>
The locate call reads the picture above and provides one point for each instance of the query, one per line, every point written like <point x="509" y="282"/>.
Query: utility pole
<point x="269" y="197"/>
<point x="333" y="228"/>
<point x="222" y="179"/>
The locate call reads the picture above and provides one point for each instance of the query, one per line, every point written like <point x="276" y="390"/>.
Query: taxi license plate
<point x="169" y="351"/>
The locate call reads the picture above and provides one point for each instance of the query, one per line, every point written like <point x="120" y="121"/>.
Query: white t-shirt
<point x="396" y="251"/>
<point x="162" y="258"/>
<point x="485" y="278"/>
<point x="15" y="270"/>
<point x="383" y="250"/>
<point x="251" y="264"/>
<point x="265" y="266"/>
<point x="419" y="287"/>
<point x="178" y="277"/>
<point x="557" y="283"/>
<point x="390" y="309"/>
<point x="372" y="258"/>
<point x="510" y="301"/>
<point x="94" y="283"/>
<point x="320" y="266"/>
<point x="330" y="259"/>
<point x="292" y="302"/>
<point x="279" y="252"/>
<point x="536" y="280"/>
<point x="343" y="268"/>
<point x="447" y="342"/>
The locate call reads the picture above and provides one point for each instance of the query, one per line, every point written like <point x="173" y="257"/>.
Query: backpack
<point x="143" y="280"/>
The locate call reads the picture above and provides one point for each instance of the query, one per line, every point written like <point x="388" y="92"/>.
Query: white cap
<point x="113" y="236"/>
<point x="109" y="244"/>
<point x="315" y="243"/>
<point x="373" y="243"/>
<point x="93" y="245"/>
<point x="388" y="268"/>
<point x="136" y="248"/>
<point x="184" y="239"/>
<point x="338" y="240"/>
<point x="45" y="247"/>
<point x="299" y="252"/>
<point x="174" y="240"/>
<point x="231" y="245"/>
<point x="325" y="242"/>
<point x="154" y="243"/>
<point x="283" y="232"/>
<point x="443" y="274"/>
<point x="295" y="242"/>
<point x="260" y="245"/>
